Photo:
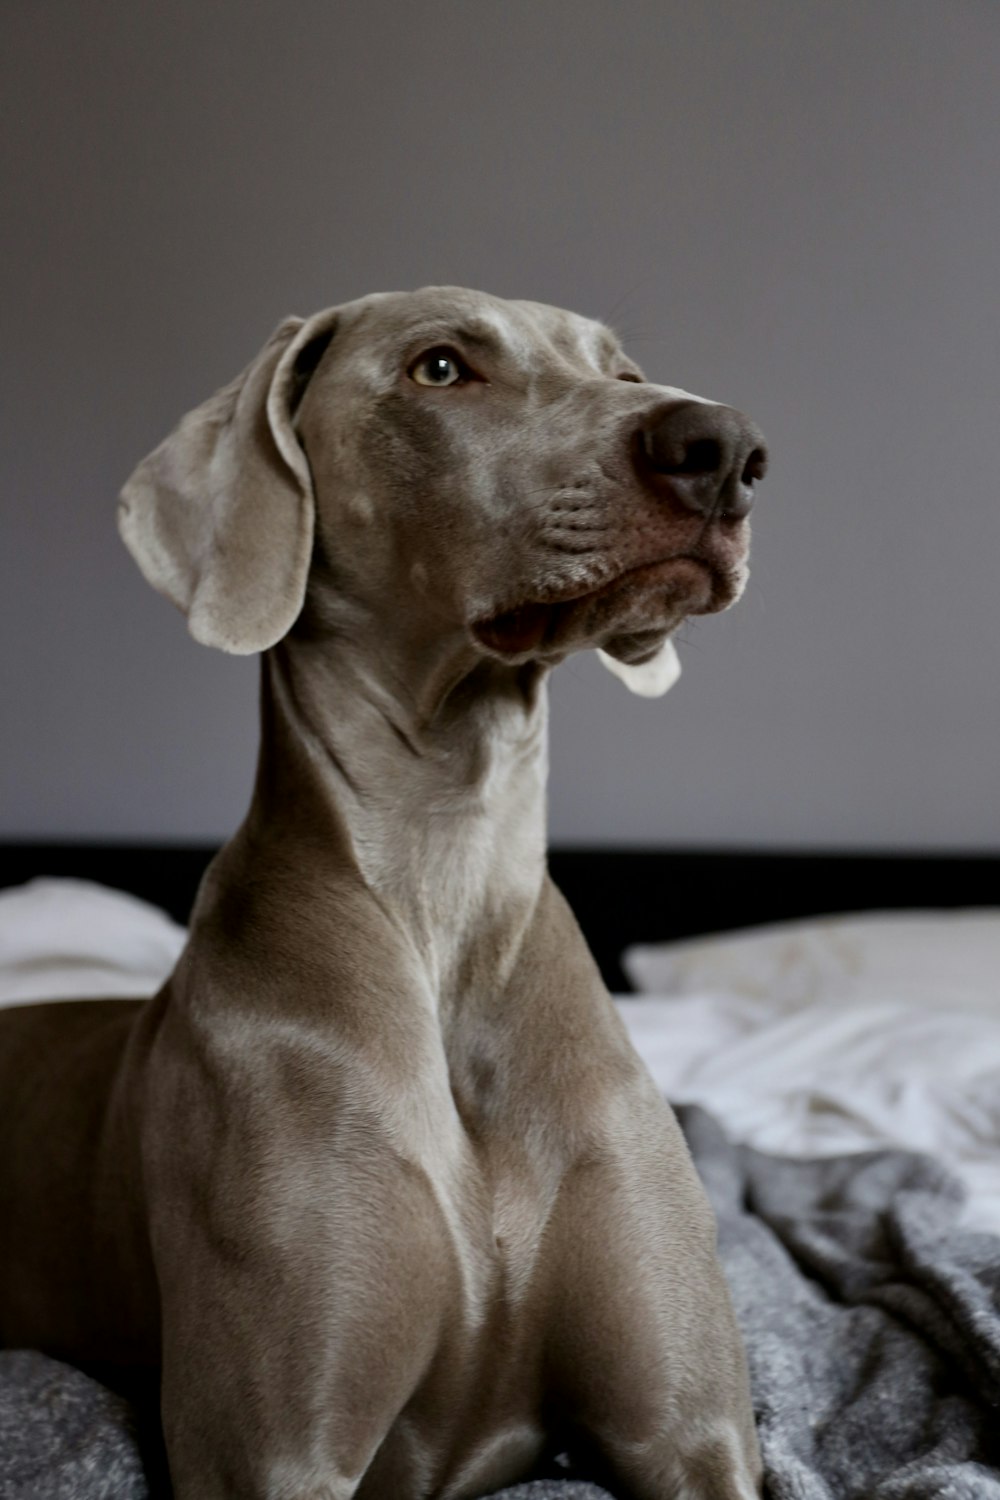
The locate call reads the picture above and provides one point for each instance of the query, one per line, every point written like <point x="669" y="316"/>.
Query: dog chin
<point x="536" y="633"/>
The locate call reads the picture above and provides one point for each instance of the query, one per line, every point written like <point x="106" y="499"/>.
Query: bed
<point x="829" y="1026"/>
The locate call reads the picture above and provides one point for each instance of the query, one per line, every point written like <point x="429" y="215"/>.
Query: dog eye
<point x="440" y="367"/>
<point x="630" y="375"/>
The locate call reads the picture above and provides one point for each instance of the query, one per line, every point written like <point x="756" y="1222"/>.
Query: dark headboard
<point x="620" y="896"/>
<point x="623" y="896"/>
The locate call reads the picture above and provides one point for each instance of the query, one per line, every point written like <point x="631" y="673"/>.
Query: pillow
<point x="787" y="964"/>
<point x="68" y="939"/>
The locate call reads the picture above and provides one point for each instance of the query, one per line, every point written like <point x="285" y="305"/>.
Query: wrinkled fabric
<point x="866" y="1066"/>
<point x="63" y="1436"/>
<point x="871" y="1319"/>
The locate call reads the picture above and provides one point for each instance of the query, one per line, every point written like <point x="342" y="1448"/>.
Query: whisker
<point x="546" y="489"/>
<point x="640" y="286"/>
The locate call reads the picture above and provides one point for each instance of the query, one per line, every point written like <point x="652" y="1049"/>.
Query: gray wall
<point x="786" y="204"/>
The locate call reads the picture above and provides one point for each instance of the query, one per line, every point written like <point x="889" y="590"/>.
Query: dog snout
<point x="706" y="457"/>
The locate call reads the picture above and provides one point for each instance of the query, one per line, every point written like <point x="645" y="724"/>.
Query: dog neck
<point x="433" y="784"/>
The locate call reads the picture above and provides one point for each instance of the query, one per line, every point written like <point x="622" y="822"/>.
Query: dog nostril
<point x="755" y="467"/>
<point x="700" y="456"/>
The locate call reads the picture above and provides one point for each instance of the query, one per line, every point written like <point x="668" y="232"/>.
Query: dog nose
<point x="707" y="457"/>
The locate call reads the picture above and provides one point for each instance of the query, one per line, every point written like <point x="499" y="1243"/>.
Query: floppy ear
<point x="652" y="678"/>
<point x="219" y="517"/>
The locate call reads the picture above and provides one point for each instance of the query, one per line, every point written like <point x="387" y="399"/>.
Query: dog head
<point x="446" y="464"/>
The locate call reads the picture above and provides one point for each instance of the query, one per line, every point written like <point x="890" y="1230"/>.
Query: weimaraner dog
<point x="376" y="1180"/>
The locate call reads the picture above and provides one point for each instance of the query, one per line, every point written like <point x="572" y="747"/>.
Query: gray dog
<point x="377" y="1180"/>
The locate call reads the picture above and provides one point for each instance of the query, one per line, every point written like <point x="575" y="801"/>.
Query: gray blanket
<point x="872" y="1326"/>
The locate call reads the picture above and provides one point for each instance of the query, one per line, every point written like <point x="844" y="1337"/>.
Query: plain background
<point x="789" y="205"/>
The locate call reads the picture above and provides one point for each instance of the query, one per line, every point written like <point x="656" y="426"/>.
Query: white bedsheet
<point x="842" y="1033"/>
<point x="837" y="1075"/>
<point x="866" y="1059"/>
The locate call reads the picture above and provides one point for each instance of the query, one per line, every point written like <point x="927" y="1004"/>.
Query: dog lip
<point x="516" y="631"/>
<point x="638" y="570"/>
<point x="526" y="626"/>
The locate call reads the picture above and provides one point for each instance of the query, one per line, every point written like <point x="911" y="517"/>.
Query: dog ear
<point x="652" y="678"/>
<point x="219" y="517"/>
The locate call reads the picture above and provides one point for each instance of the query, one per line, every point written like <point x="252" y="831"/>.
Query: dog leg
<point x="647" y="1353"/>
<point x="290" y="1352"/>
